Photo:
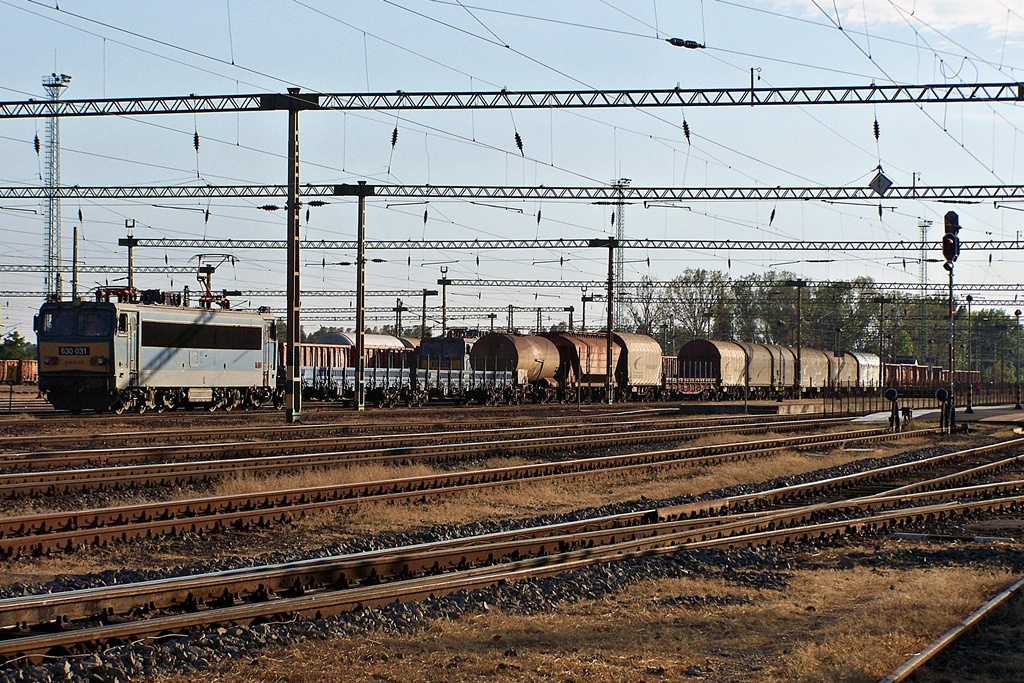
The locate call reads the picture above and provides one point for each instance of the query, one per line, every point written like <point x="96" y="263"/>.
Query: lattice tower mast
<point x="54" y="85"/>
<point x="619" y="314"/>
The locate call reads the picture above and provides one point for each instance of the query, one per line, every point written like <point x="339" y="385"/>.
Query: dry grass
<point x="854" y="625"/>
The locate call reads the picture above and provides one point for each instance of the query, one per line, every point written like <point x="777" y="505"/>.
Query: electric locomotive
<point x="117" y="355"/>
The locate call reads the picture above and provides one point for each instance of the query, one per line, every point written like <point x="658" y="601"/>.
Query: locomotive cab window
<point x="94" y="323"/>
<point x="59" y="323"/>
<point x="122" y="323"/>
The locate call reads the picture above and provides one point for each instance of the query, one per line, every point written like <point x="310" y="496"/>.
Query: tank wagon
<point x="114" y="356"/>
<point x="568" y="366"/>
<point x="731" y="369"/>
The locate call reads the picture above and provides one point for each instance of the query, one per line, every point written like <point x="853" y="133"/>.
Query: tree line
<point x="846" y="316"/>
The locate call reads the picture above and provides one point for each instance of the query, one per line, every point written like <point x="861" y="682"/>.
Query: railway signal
<point x="950" y="240"/>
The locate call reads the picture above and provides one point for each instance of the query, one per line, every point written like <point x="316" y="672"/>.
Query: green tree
<point x="14" y="346"/>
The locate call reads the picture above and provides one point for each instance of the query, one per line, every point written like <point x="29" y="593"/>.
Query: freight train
<point x="114" y="354"/>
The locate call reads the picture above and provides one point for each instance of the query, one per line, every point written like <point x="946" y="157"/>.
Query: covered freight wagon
<point x="639" y="367"/>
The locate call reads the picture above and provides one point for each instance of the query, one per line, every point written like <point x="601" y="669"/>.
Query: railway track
<point x="63" y="623"/>
<point x="258" y="457"/>
<point x="109" y="449"/>
<point x="47" y="417"/>
<point x="37" y="534"/>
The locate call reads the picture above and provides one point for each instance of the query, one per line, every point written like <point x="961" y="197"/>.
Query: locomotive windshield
<point x="68" y="322"/>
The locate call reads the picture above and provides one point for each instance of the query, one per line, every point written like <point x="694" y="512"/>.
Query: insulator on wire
<point x="195" y="140"/>
<point x="519" y="143"/>
<point x="38" y="146"/>
<point x="206" y="216"/>
<point x="878" y="131"/>
<point x="879" y="212"/>
<point x="425" y="216"/>
<point x="394" y="137"/>
<point x="686" y="131"/>
<point x="79" y="215"/>
<point x="307" y="214"/>
<point x="269" y="207"/>
<point x="538" y="216"/>
<point x="317" y="203"/>
<point x="771" y="217"/>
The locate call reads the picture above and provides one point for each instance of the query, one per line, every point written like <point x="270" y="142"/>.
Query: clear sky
<point x="121" y="49"/>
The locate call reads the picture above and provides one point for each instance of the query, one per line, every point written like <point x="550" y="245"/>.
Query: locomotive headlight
<point x="98" y="360"/>
<point x="51" y="360"/>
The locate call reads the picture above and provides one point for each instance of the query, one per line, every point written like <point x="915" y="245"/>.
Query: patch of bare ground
<point x="518" y="501"/>
<point x="852" y="625"/>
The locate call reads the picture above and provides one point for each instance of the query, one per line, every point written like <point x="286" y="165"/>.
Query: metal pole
<point x="74" y="265"/>
<point x="798" y="375"/>
<point x="952" y="382"/>
<point x="881" y="348"/>
<point x="444" y="300"/>
<point x="293" y="378"/>
<point x="970" y="380"/>
<point x="423" y="317"/>
<point x="361" y="302"/>
<point x="610" y="379"/>
<point x="131" y="243"/>
<point x="1017" y="375"/>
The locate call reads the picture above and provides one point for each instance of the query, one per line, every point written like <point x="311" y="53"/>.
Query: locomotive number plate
<point x="74" y="351"/>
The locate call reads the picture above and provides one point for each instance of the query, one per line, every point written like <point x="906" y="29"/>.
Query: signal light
<point x="950" y="247"/>
<point x="952" y="222"/>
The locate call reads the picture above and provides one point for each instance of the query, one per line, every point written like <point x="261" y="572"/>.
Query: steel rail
<point x="37" y="534"/>
<point x="725" y="505"/>
<point x="395" y="427"/>
<point x="922" y="658"/>
<point x="260" y="583"/>
<point x="327" y="603"/>
<point x="55" y="482"/>
<point x="163" y="440"/>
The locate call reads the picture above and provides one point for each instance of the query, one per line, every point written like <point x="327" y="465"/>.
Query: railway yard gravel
<point x="760" y="569"/>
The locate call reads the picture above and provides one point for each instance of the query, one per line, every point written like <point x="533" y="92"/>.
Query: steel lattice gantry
<point x="653" y="284"/>
<point x="946" y="193"/>
<point x="470" y="245"/>
<point x="532" y="99"/>
<point x="118" y="270"/>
